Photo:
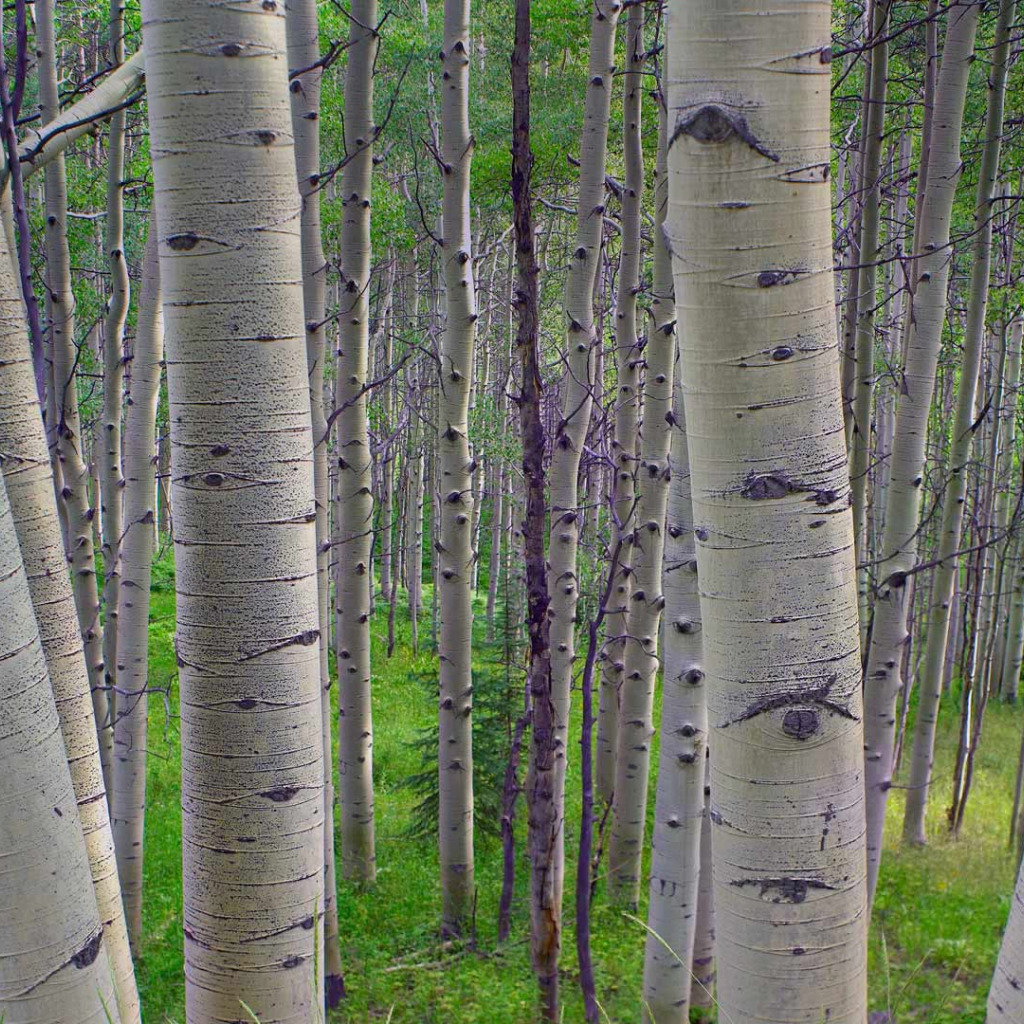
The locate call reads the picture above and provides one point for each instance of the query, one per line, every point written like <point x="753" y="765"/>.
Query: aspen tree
<point x="455" y="554"/>
<point x="636" y="700"/>
<point x="41" y="145"/>
<point x="578" y="381"/>
<point x="1006" y="994"/>
<point x="111" y="481"/>
<point x="628" y="361"/>
<point x="414" y="507"/>
<point x="679" y="807"/>
<point x="303" y="38"/>
<point x="26" y="468"/>
<point x="749" y="229"/>
<point x="74" y="471"/>
<point x="898" y="553"/>
<point x="1009" y="395"/>
<point x="245" y="535"/>
<point x="128" y="799"/>
<point x="53" y="960"/>
<point x="941" y="603"/>
<point x="353" y="520"/>
<point x="866" y="300"/>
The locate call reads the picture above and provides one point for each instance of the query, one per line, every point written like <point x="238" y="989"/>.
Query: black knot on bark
<point x="231" y="49"/>
<point x="183" y="242"/>
<point x="800" y="723"/>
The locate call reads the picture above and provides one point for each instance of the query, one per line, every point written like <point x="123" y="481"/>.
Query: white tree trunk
<point x="128" y="799"/>
<point x="353" y="520"/>
<point x="303" y="38"/>
<point x="26" y="468"/>
<point x="577" y="388"/>
<point x="941" y="602"/>
<point x="1006" y="995"/>
<point x="750" y="229"/>
<point x="898" y="553"/>
<point x="455" y="494"/>
<point x="679" y="807"/>
<point x="53" y="960"/>
<point x="245" y="534"/>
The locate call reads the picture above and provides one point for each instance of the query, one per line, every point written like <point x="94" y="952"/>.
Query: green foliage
<point x="938" y="919"/>
<point x="496" y="705"/>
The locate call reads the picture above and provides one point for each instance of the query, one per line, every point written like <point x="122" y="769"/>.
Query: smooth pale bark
<point x="128" y="798"/>
<point x="414" y="513"/>
<point x="26" y="467"/>
<point x="1005" y="500"/>
<point x="679" y="806"/>
<point x="111" y="481"/>
<point x="43" y="145"/>
<point x="53" y="960"/>
<point x="577" y="386"/>
<point x="1006" y="994"/>
<point x="303" y="37"/>
<point x="1014" y="652"/>
<point x="869" y="254"/>
<point x="455" y="493"/>
<point x="898" y="554"/>
<point x="352" y="539"/>
<point x="643" y="619"/>
<point x="74" y="468"/>
<point x="628" y="361"/>
<point x="245" y="533"/>
<point x="749" y="227"/>
<point x="941" y="598"/>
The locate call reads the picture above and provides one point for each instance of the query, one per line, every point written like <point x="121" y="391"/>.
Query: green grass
<point x="935" y="934"/>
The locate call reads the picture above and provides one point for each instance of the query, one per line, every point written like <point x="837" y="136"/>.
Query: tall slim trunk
<point x="303" y="40"/>
<point x="679" y="807"/>
<point x="128" y="799"/>
<point x="749" y="227"/>
<point x="454" y="495"/>
<point x="643" y="619"/>
<point x="628" y="361"/>
<point x="577" y="388"/>
<point x="414" y="507"/>
<point x="26" y="469"/>
<point x="111" y="479"/>
<point x="74" y="469"/>
<point x="353" y="514"/>
<point x="898" y="553"/>
<point x="53" y="960"/>
<point x="245" y="534"/>
<point x="545" y="823"/>
<point x="930" y="691"/>
<point x="868" y="257"/>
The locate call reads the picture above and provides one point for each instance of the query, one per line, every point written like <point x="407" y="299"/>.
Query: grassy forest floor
<point x="934" y="939"/>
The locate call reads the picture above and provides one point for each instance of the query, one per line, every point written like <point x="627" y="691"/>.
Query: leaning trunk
<point x="53" y="960"/>
<point x="30" y="488"/>
<point x="930" y="690"/>
<point x="898" y="553"/>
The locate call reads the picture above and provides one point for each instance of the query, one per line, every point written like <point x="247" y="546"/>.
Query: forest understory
<point x="935" y="931"/>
